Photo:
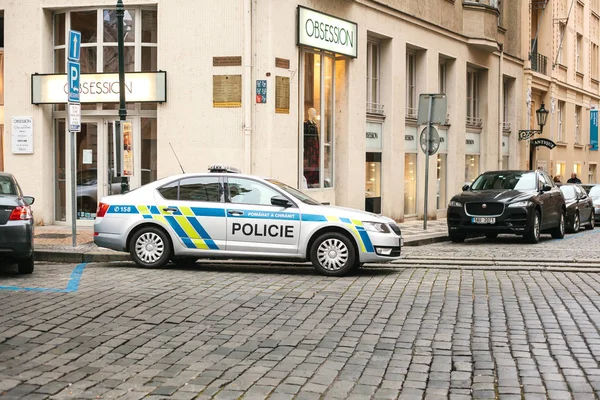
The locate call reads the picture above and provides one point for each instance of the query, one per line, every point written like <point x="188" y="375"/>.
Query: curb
<point x="74" y="257"/>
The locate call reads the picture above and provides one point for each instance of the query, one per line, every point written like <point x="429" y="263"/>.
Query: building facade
<point x="563" y="72"/>
<point x="322" y="95"/>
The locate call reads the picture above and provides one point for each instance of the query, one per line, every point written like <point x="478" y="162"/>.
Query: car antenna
<point x="177" y="158"/>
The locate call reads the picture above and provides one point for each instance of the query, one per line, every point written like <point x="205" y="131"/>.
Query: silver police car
<point x="223" y="213"/>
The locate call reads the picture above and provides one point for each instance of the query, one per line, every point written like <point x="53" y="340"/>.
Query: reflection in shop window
<point x="60" y="190"/>
<point x="410" y="184"/>
<point x="373" y="183"/>
<point x="471" y="167"/>
<point x="149" y="153"/>
<point x="441" y="180"/>
<point x="317" y="128"/>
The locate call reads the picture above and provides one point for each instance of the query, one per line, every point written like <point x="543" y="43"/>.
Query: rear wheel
<point x="25" y="266"/>
<point x="533" y="233"/>
<point x="333" y="254"/>
<point x="150" y="248"/>
<point x="592" y="222"/>
<point x="559" y="231"/>
<point x="457" y="236"/>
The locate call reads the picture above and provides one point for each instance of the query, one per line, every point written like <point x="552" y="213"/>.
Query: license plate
<point x="483" y="220"/>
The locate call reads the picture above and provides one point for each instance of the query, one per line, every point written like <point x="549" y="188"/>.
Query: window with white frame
<point x="594" y="5"/>
<point x="473" y="99"/>
<point x="373" y="61"/>
<point x="505" y="102"/>
<point x="579" y="54"/>
<point x="411" y="85"/>
<point x="594" y="55"/>
<point x="562" y="42"/>
<point x="577" y="124"/>
<point x="560" y="133"/>
<point x="442" y="77"/>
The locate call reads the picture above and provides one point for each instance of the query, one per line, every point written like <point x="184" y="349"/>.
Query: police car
<point x="224" y="213"/>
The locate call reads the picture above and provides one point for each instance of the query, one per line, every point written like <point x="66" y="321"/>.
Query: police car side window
<point x="170" y="191"/>
<point x="202" y="188"/>
<point x="247" y="191"/>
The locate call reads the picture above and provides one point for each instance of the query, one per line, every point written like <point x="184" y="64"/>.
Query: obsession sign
<point x="325" y="32"/>
<point x="140" y="87"/>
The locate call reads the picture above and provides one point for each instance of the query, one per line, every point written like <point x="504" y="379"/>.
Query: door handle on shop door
<point x="235" y="212"/>
<point x="171" y="209"/>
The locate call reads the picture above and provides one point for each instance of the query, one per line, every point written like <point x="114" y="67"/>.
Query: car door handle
<point x="171" y="209"/>
<point x="235" y="212"/>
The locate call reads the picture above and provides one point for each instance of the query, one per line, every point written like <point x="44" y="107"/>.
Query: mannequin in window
<point x="311" y="149"/>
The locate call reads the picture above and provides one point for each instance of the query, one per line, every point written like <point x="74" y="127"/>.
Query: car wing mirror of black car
<point x="546" y="188"/>
<point x="29" y="199"/>
<point x="465" y="187"/>
<point x="280" y="201"/>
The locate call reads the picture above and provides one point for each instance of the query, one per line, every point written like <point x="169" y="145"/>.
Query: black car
<point x="519" y="202"/>
<point x="16" y="225"/>
<point x="580" y="207"/>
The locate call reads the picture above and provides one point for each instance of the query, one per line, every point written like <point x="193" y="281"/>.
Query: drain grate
<point x="53" y="235"/>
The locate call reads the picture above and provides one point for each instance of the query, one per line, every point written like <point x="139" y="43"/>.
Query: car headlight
<point x="525" y="203"/>
<point x="376" y="227"/>
<point x="454" y="203"/>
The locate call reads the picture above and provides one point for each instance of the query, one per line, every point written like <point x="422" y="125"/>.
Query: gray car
<point x="16" y="225"/>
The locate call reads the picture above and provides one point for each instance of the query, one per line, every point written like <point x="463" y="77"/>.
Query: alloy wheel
<point x="576" y="223"/>
<point x="332" y="254"/>
<point x="149" y="247"/>
<point x="536" y="226"/>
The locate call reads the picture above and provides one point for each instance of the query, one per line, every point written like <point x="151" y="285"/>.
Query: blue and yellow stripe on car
<point x="354" y="225"/>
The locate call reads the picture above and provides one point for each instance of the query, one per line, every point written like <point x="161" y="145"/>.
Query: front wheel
<point x="333" y="254"/>
<point x="533" y="233"/>
<point x="574" y="228"/>
<point x="25" y="266"/>
<point x="150" y="248"/>
<point x="559" y="231"/>
<point x="457" y="236"/>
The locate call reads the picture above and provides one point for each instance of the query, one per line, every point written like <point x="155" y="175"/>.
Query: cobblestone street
<point x="227" y="331"/>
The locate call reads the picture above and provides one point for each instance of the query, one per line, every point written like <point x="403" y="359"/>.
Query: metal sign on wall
<point x="140" y="87"/>
<point x="325" y="32"/>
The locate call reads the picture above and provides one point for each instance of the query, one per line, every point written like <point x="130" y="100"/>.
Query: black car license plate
<point x="483" y="220"/>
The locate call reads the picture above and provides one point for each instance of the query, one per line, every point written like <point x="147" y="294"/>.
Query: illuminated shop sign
<point x="325" y="32"/>
<point x="140" y="87"/>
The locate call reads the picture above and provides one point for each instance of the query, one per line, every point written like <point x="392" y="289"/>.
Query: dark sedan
<point x="580" y="207"/>
<point x="524" y="203"/>
<point x="16" y="225"/>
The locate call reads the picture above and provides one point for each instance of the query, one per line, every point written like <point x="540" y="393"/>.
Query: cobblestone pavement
<point x="584" y="245"/>
<point x="230" y="331"/>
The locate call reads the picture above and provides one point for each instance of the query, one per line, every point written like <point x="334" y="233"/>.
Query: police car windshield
<point x="294" y="192"/>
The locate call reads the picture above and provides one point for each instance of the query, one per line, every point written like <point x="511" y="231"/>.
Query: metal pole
<point x="122" y="109"/>
<point x="429" y="116"/>
<point x="73" y="189"/>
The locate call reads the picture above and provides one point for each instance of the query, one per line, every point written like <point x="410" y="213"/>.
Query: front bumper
<point x="514" y="220"/>
<point x="16" y="239"/>
<point x="386" y="247"/>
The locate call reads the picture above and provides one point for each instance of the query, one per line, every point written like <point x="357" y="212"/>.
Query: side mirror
<point x="280" y="201"/>
<point x="29" y="199"/>
<point x="546" y="188"/>
<point x="466" y="187"/>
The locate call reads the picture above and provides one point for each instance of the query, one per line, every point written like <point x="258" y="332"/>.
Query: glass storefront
<point x="318" y="126"/>
<point x="442" y="171"/>
<point x="410" y="184"/>
<point x="505" y="152"/>
<point x="60" y="176"/>
<point x="472" y="153"/>
<point x="87" y="170"/>
<point x="373" y="183"/>
<point x="149" y="150"/>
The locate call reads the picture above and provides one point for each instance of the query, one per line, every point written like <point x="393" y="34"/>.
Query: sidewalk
<point x="54" y="242"/>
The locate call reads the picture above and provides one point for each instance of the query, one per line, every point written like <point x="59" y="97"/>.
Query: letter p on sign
<point x="73" y="72"/>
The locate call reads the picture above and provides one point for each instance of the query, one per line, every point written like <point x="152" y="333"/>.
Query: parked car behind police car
<point x="224" y="214"/>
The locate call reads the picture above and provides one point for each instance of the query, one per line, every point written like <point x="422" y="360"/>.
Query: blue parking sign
<point x="73" y="72"/>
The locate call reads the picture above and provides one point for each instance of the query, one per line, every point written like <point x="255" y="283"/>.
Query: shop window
<point x="505" y="162"/>
<point x="410" y="183"/>
<point x="318" y="125"/>
<point x="60" y="189"/>
<point x="1" y="147"/>
<point x="373" y="183"/>
<point x="442" y="174"/>
<point x="471" y="167"/>
<point x="592" y="173"/>
<point x="149" y="150"/>
<point x="560" y="171"/>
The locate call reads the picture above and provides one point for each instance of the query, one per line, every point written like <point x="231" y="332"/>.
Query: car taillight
<point x="102" y="209"/>
<point x="20" y="213"/>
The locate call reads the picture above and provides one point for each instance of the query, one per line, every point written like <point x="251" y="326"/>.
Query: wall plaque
<point x="231" y="61"/>
<point x="282" y="63"/>
<point x="282" y="95"/>
<point x="227" y="91"/>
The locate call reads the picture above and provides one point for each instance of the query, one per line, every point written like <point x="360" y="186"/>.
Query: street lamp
<point x="541" y="115"/>
<point x="524" y="134"/>
<point x="121" y="50"/>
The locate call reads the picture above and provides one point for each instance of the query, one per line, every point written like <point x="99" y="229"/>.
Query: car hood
<point x="344" y="212"/>
<point x="502" y="196"/>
